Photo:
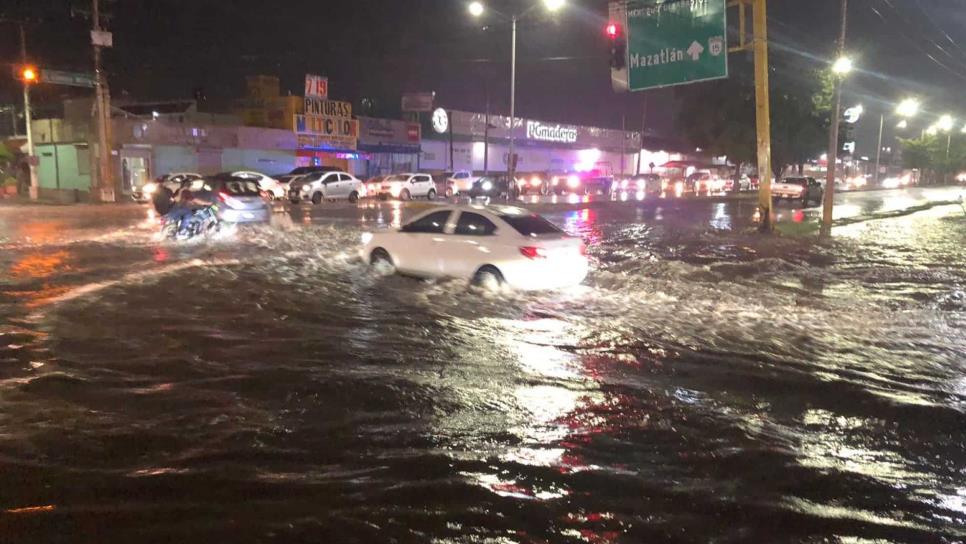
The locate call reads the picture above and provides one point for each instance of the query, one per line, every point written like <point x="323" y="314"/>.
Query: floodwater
<point x="704" y="385"/>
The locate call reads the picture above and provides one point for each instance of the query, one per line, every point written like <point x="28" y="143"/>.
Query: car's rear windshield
<point x="397" y="177"/>
<point x="796" y="181"/>
<point x="240" y="187"/>
<point x="530" y="225"/>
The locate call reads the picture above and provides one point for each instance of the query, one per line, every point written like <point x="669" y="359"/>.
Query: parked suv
<point x="319" y="186"/>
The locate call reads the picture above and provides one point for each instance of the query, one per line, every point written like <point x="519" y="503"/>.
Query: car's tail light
<point x="532" y="252"/>
<point x="230" y="201"/>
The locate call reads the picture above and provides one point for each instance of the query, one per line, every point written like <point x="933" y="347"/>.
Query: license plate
<point x="248" y="215"/>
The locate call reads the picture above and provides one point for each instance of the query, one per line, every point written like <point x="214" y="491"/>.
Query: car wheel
<point x="488" y="277"/>
<point x="380" y="260"/>
<point x="404" y="195"/>
<point x="353" y="197"/>
<point x="316" y="198"/>
<point x="431" y="195"/>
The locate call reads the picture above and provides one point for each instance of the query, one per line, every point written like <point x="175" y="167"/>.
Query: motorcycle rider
<point x="184" y="209"/>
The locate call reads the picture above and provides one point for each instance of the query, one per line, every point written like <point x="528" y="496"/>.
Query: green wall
<point x="59" y="168"/>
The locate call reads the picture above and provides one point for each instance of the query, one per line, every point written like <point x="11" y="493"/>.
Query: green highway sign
<point x="673" y="42"/>
<point x="70" y="79"/>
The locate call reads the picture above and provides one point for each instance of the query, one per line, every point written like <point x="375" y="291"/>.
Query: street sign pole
<point x="762" y="114"/>
<point x="34" y="190"/>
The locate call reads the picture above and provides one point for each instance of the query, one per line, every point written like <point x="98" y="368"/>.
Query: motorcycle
<point x="204" y="222"/>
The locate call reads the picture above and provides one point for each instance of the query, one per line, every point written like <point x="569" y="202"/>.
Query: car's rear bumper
<point x="545" y="274"/>
<point x="230" y="215"/>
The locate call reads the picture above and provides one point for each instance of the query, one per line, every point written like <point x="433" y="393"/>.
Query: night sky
<point x="378" y="49"/>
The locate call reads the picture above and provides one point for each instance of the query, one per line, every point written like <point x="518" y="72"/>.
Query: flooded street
<point x="705" y="384"/>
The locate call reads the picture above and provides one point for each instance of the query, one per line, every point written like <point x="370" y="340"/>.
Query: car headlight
<point x="366" y="237"/>
<point x="573" y="182"/>
<point x="149" y="188"/>
<point x="535" y="181"/>
<point x="555" y="181"/>
<point x="487" y="185"/>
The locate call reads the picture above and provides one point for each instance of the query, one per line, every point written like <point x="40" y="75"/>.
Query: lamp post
<point x="946" y="124"/>
<point x="906" y="108"/>
<point x="477" y="9"/>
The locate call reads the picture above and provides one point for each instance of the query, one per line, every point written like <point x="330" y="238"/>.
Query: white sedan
<point x="268" y="184"/>
<point x="484" y="244"/>
<point x="407" y="187"/>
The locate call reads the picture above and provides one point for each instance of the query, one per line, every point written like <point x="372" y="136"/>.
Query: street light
<point x="842" y="66"/>
<point x="908" y="107"/>
<point x="28" y="74"/>
<point x="945" y="123"/>
<point x="476" y="9"/>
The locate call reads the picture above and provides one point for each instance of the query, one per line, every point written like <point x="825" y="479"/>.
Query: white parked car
<point x="268" y="184"/>
<point x="461" y="182"/>
<point x="319" y="186"/>
<point x="484" y="244"/>
<point x="408" y="186"/>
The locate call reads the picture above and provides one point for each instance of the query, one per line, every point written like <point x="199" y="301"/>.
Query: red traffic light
<point x="612" y="30"/>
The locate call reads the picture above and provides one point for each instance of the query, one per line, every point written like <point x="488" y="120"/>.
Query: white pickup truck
<point x="803" y="189"/>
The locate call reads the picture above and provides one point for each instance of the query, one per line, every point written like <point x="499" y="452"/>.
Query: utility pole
<point x="878" y="149"/>
<point x="486" y="131"/>
<point x="28" y="119"/>
<point x="763" y="113"/>
<point x="623" y="142"/>
<point x="511" y="160"/>
<point x="104" y="189"/>
<point x="640" y="153"/>
<point x="833" y="136"/>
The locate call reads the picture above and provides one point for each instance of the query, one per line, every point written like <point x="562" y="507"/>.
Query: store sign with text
<point x="551" y="133"/>
<point x="326" y="132"/>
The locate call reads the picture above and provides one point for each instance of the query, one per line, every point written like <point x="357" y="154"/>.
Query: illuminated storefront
<point x="460" y="140"/>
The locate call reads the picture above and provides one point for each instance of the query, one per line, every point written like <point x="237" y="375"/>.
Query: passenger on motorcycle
<point x="183" y="211"/>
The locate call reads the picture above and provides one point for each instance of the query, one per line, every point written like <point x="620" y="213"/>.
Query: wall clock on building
<point x="440" y="121"/>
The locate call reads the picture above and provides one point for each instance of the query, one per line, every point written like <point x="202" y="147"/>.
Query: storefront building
<point x="460" y="140"/>
<point x="389" y="146"/>
<point x="150" y="140"/>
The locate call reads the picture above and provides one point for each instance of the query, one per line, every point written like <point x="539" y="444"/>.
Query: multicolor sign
<point x="316" y="86"/>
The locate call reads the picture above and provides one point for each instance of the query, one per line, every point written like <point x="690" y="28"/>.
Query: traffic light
<point x="28" y="74"/>
<point x="618" y="46"/>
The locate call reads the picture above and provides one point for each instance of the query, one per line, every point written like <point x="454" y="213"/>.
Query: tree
<point x="720" y="116"/>
<point x="928" y="154"/>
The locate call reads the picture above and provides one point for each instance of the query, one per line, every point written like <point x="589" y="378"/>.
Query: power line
<point x="929" y="55"/>
<point x="923" y="35"/>
<point x="940" y="29"/>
